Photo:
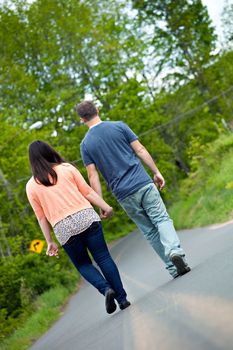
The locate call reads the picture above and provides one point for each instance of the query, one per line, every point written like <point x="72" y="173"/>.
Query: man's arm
<point x="145" y="156"/>
<point x="95" y="183"/>
<point x="94" y="179"/>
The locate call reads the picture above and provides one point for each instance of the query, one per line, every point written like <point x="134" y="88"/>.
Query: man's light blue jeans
<point x="146" y="208"/>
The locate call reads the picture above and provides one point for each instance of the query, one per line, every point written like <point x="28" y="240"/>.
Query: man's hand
<point x="106" y="214"/>
<point x="52" y="249"/>
<point x="159" y="180"/>
<point x="145" y="156"/>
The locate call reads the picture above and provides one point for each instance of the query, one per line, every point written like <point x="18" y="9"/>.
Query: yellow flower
<point x="229" y="185"/>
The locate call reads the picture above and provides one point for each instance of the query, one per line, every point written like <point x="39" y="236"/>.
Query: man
<point x="113" y="149"/>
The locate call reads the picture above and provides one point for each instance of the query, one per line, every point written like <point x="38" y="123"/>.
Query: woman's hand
<point x="52" y="249"/>
<point x="107" y="213"/>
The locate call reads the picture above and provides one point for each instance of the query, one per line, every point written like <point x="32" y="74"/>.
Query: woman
<point x="60" y="197"/>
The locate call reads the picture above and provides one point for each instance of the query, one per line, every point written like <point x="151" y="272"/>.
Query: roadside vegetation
<point x="45" y="310"/>
<point x="168" y="83"/>
<point x="206" y="196"/>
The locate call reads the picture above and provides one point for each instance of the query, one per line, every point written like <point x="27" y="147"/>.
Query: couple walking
<point x="61" y="198"/>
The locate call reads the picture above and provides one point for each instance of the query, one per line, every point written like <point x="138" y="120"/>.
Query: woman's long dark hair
<point x="42" y="159"/>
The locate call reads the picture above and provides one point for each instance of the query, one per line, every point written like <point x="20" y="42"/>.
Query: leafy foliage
<point x="152" y="65"/>
<point x="206" y="195"/>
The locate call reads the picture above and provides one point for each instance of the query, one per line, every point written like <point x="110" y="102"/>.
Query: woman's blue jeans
<point x="92" y="240"/>
<point x="146" y="208"/>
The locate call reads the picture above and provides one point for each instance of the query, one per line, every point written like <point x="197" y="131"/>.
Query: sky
<point x="215" y="8"/>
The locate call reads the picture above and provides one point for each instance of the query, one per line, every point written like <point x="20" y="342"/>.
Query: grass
<point x="206" y="196"/>
<point x="48" y="310"/>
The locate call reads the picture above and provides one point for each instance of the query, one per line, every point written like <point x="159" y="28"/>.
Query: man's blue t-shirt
<point x="107" y="145"/>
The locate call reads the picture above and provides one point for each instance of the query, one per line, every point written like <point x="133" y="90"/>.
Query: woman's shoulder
<point x="67" y="164"/>
<point x="64" y="166"/>
<point x="30" y="184"/>
<point x="30" y="181"/>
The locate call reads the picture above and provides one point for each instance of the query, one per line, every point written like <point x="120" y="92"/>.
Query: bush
<point x="25" y="277"/>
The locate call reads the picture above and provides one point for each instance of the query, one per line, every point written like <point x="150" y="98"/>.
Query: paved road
<point x="191" y="312"/>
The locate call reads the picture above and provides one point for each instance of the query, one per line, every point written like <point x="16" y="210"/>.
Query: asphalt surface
<point x="192" y="312"/>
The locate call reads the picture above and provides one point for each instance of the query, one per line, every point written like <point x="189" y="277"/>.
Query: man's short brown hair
<point x="87" y="110"/>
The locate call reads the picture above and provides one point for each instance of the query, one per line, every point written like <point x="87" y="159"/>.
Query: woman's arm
<point x="94" y="198"/>
<point x="52" y="249"/>
<point x="91" y="195"/>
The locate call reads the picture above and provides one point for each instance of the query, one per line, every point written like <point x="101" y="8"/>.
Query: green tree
<point x="54" y="52"/>
<point x="182" y="33"/>
<point x="227" y="23"/>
